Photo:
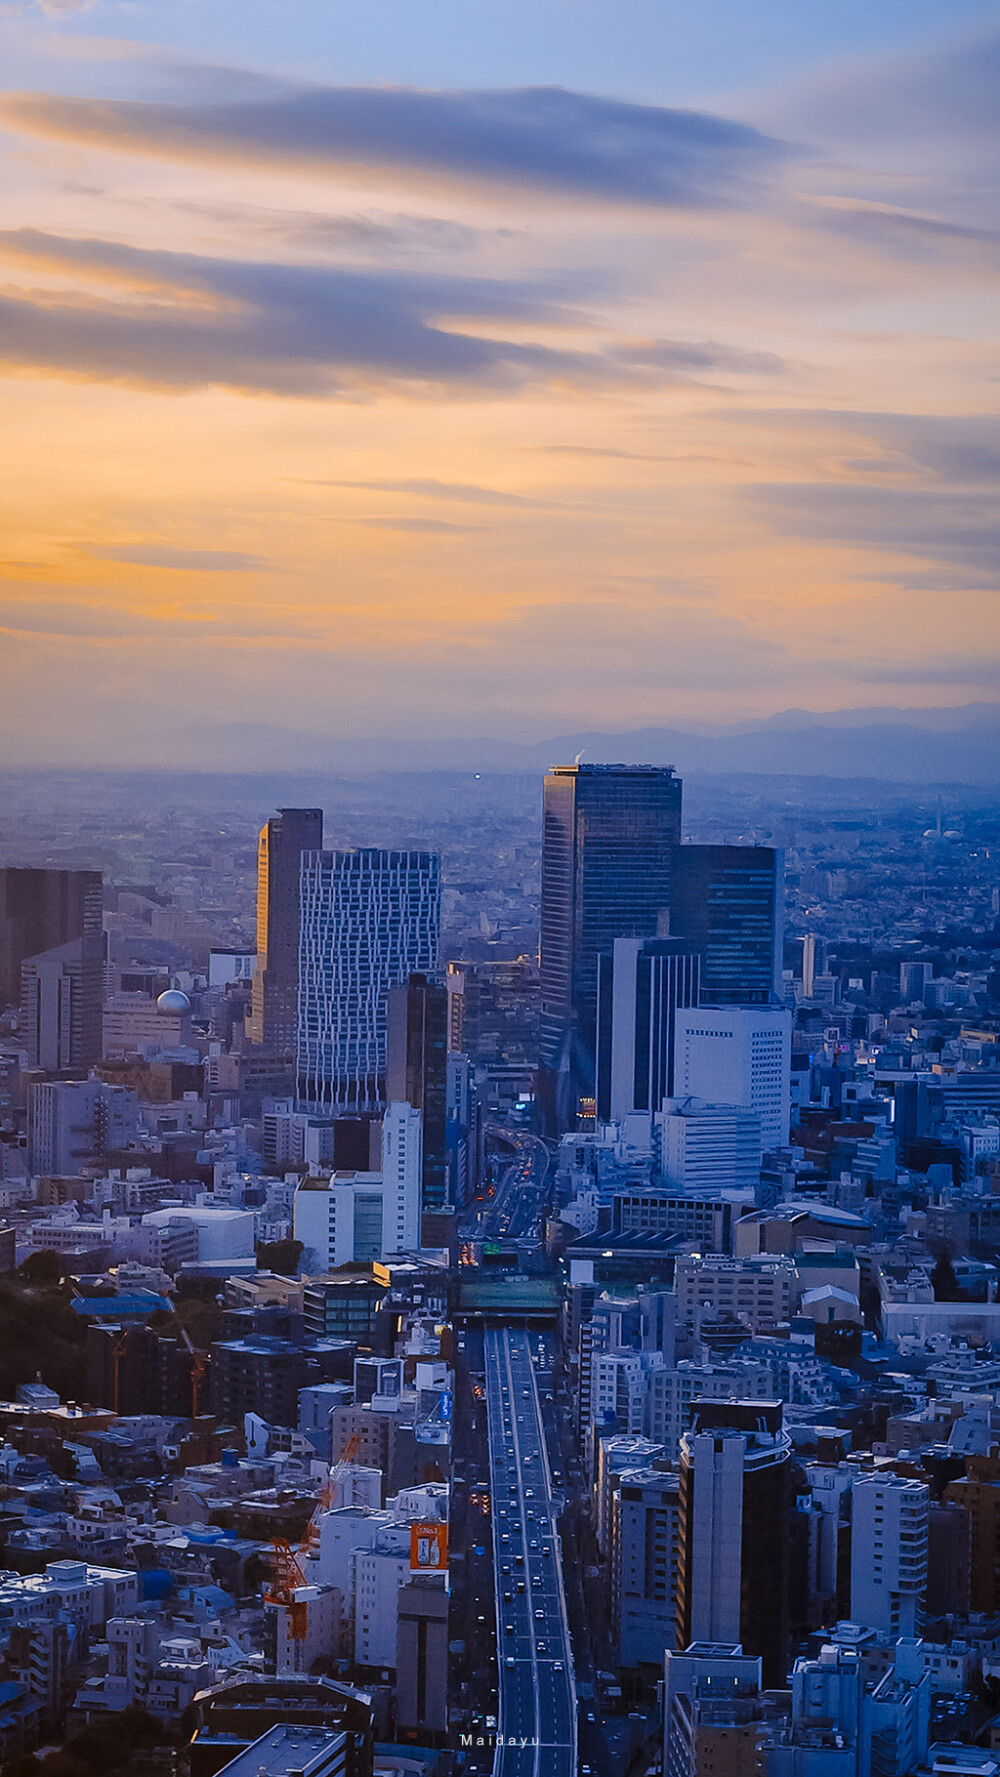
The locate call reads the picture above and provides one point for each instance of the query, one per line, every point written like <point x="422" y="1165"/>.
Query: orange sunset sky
<point x="383" y="375"/>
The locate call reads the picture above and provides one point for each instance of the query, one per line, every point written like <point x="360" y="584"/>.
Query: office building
<point x="417" y="1072"/>
<point x="644" y="1525"/>
<point x="728" y="901"/>
<point x="369" y="920"/>
<point x="494" y="1011"/>
<point x="273" y="1016"/>
<point x="42" y="910"/>
<point x="75" y="1123"/>
<point x="758" y="1290"/>
<point x="358" y="1218"/>
<point x="348" y="1306"/>
<point x="403" y="1176"/>
<point x="738" y="1055"/>
<point x="712" y="1713"/>
<point x="307" y="1751"/>
<point x="642" y="985"/>
<point x="889" y="1553"/>
<point x="706" y="1146"/>
<point x="422" y="1657"/>
<point x="732" y="1560"/>
<point x="61" y="1003"/>
<point x="339" y="1220"/>
<point x="609" y="835"/>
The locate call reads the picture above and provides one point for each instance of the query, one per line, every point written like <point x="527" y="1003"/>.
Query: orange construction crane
<point x="199" y="1362"/>
<point x="288" y="1575"/>
<point x="310" y="1539"/>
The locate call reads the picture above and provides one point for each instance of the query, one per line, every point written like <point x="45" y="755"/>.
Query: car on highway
<point x="539" y="1616"/>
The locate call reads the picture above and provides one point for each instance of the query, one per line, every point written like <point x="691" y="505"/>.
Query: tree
<point x="281" y="1256"/>
<point x="23" y="1764"/>
<point x="946" y="1285"/>
<point x="43" y="1268"/>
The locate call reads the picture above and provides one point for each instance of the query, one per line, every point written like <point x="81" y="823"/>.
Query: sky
<point x="455" y="370"/>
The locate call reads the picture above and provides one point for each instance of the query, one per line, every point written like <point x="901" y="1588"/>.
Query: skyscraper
<point x="641" y="987"/>
<point x="728" y="900"/>
<point x="738" y="1055"/>
<point x="732" y="1559"/>
<point x="369" y="919"/>
<point x="417" y="1071"/>
<point x="52" y="962"/>
<point x="889" y="1552"/>
<point x="274" y="1004"/>
<point x="609" y="835"/>
<point x="62" y="993"/>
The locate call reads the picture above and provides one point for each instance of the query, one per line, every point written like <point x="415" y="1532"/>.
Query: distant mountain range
<point x="958" y="746"/>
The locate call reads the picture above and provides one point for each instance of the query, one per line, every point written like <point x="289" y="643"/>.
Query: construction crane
<point x="287" y="1577"/>
<point x="199" y="1362"/>
<point x="310" y="1539"/>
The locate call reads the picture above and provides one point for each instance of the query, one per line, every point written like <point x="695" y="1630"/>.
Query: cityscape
<point x="532" y="1300"/>
<point x="499" y="889"/>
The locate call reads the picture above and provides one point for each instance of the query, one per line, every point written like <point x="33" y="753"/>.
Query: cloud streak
<point x="192" y="561"/>
<point x="292" y="329"/>
<point x="530" y="139"/>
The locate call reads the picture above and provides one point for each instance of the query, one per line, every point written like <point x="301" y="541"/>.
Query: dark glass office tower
<point x="641" y="986"/>
<point x="728" y="901"/>
<point x="275" y="994"/>
<point x="416" y="1071"/>
<point x="609" y="834"/>
<point x="733" y="1531"/>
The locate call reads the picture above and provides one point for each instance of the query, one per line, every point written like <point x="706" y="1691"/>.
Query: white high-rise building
<point x="346" y="1218"/>
<point x="339" y="1220"/>
<point x="707" y="1145"/>
<point x="889" y="1517"/>
<point x="368" y="920"/>
<point x="402" y="1174"/>
<point x="738" y="1055"/>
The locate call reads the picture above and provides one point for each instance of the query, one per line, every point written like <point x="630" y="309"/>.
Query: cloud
<point x="949" y="96"/>
<point x="200" y="561"/>
<point x="281" y="328"/>
<point x="463" y="492"/>
<point x="956" y="527"/>
<point x="191" y="321"/>
<point x="680" y="355"/>
<point x="434" y="527"/>
<point x="908" y="234"/>
<point x="371" y="233"/>
<point x="532" y="139"/>
<point x="959" y="669"/>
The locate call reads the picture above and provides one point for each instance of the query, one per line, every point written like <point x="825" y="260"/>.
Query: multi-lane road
<point x="537" y="1713"/>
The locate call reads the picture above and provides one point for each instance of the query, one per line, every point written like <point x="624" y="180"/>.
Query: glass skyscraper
<point x="274" y="995"/>
<point x="368" y="920"/>
<point x="609" y="834"/>
<point x="728" y="902"/>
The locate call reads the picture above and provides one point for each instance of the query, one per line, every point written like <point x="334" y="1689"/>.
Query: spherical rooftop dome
<point x="173" y="1001"/>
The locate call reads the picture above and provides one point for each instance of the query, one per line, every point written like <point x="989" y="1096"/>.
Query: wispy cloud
<point x="195" y="561"/>
<point x="541" y="139"/>
<point x="298" y="329"/>
<point x="463" y="492"/>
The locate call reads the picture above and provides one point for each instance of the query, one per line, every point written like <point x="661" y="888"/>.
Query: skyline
<point x="373" y="378"/>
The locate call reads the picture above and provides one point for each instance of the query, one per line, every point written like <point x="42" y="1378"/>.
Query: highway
<point x="537" y="1711"/>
